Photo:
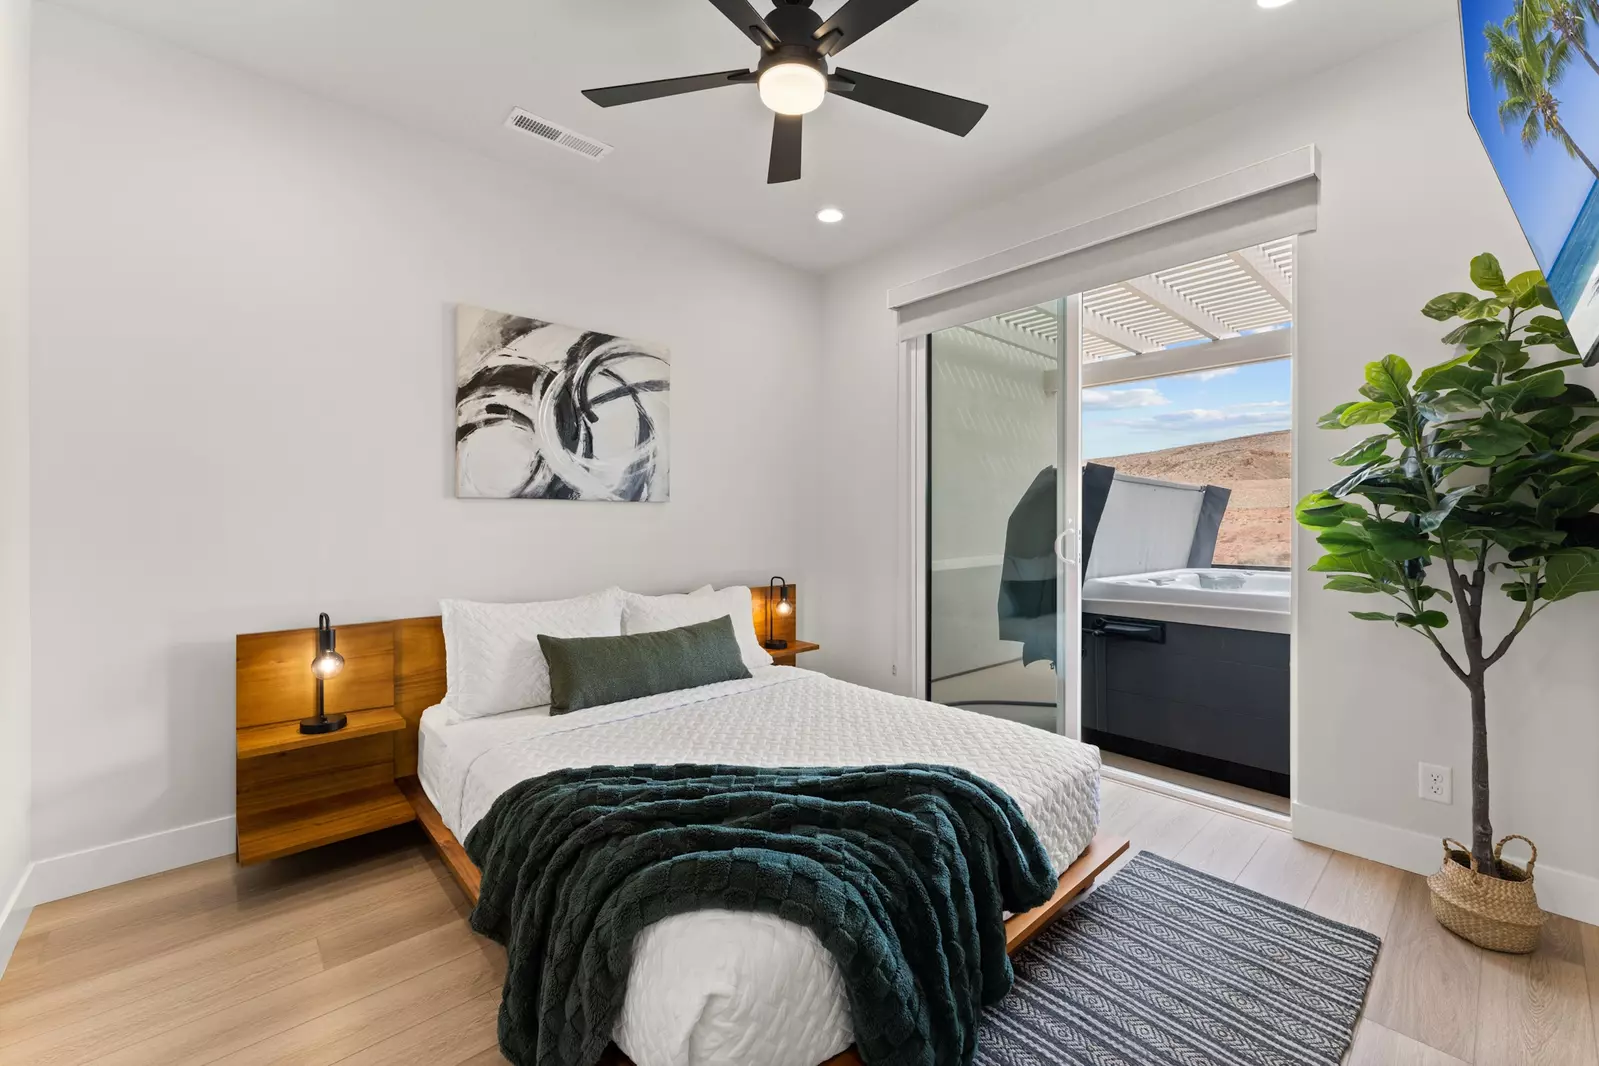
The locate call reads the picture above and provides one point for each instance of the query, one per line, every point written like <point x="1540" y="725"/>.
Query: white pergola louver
<point x="1211" y="301"/>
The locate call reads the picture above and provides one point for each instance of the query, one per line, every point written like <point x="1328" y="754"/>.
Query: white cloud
<point x="1244" y="417"/>
<point x="1118" y="399"/>
<point x="1219" y="372"/>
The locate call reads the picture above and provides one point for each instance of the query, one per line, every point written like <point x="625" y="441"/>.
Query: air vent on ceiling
<point x="560" y="136"/>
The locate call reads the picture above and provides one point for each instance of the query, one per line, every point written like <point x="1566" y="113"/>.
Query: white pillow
<point x="650" y="614"/>
<point x="492" y="659"/>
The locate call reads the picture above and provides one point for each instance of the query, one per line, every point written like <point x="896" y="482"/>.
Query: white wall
<point x="1408" y="197"/>
<point x="14" y="714"/>
<point x="243" y="397"/>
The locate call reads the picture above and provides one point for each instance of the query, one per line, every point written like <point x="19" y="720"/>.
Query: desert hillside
<point x="1259" y="522"/>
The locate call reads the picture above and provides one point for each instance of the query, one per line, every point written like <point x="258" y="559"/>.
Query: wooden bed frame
<point x="398" y="667"/>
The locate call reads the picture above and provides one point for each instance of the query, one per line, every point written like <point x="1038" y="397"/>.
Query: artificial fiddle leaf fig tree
<point x="1479" y="481"/>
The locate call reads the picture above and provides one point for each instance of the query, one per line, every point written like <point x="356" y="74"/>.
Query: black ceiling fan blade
<point x="749" y="22"/>
<point x="787" y="141"/>
<point x="855" y="20"/>
<point x="948" y="113"/>
<point x="612" y="95"/>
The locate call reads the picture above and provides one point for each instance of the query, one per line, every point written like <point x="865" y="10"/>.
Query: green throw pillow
<point x="590" y="671"/>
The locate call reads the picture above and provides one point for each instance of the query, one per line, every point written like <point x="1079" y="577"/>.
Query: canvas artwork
<point x="1533" y="84"/>
<point x="551" y="412"/>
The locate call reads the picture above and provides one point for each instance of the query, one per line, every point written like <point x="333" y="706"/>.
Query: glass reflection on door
<point x="994" y="506"/>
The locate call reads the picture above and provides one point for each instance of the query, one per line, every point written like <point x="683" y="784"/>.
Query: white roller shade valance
<point x="1275" y="198"/>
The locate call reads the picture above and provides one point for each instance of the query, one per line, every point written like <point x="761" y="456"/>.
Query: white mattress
<point x="726" y="988"/>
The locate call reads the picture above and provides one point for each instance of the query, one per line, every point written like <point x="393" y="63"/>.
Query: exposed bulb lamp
<point x="777" y="586"/>
<point x="327" y="664"/>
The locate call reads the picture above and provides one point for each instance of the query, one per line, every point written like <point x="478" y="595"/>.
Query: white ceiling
<point x="1056" y="73"/>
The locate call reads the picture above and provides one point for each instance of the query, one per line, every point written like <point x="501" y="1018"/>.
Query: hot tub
<point x="1189" y="668"/>
<point x="1231" y="599"/>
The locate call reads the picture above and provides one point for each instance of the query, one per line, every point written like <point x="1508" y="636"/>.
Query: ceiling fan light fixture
<point x="793" y="88"/>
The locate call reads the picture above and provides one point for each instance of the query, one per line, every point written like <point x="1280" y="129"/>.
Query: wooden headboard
<point x="395" y="665"/>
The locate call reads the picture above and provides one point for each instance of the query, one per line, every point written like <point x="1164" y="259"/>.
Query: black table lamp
<point x="782" y="606"/>
<point x="327" y="664"/>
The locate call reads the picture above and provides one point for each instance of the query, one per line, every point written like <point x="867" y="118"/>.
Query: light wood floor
<point x="360" y="954"/>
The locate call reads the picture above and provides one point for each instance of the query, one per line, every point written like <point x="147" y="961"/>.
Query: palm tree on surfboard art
<point x="1533" y="86"/>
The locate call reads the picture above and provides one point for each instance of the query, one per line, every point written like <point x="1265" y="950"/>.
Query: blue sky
<point x="1546" y="186"/>
<point x="1145" y="416"/>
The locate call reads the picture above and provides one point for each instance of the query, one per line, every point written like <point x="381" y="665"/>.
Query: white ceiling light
<point x="793" y="88"/>
<point x="1273" y="3"/>
<point x="830" y="215"/>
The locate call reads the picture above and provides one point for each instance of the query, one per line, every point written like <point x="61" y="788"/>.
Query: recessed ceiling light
<point x="830" y="215"/>
<point x="1273" y="3"/>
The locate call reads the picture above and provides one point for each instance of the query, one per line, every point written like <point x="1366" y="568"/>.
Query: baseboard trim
<point x="1563" y="892"/>
<point x="13" y="917"/>
<point x="1237" y="809"/>
<point x="126" y="860"/>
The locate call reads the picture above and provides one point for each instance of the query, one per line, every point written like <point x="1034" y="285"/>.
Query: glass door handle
<point x="1068" y="545"/>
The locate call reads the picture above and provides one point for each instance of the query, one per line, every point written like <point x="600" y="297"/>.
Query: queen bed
<point x="724" y="987"/>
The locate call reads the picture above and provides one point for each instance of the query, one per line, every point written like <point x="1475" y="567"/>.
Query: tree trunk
<point x="1482" y="830"/>
<point x="1567" y="28"/>
<point x="1587" y="55"/>
<point x="1553" y="121"/>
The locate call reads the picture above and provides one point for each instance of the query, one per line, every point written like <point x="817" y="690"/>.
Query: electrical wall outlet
<point x="1435" y="783"/>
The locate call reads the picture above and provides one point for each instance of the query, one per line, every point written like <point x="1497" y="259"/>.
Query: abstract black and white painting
<point x="549" y="412"/>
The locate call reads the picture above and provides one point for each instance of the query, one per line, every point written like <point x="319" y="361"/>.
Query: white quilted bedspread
<point x="724" y="988"/>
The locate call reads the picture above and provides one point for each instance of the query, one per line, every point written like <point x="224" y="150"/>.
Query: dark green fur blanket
<point x="902" y="872"/>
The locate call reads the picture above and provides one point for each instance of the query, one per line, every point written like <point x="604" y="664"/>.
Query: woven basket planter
<point x="1498" y="913"/>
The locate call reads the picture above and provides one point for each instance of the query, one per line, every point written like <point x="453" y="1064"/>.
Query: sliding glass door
<point x="1002" y="582"/>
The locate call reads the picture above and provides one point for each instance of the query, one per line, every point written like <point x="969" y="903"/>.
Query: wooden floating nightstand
<point x="785" y="656"/>
<point x="297" y="791"/>
<point x="779" y="624"/>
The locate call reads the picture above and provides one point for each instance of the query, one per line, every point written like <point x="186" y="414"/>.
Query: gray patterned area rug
<point x="1166" y="965"/>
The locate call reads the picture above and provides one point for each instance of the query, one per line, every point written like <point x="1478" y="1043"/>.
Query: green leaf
<point x="1558" y="364"/>
<point x="1501" y="356"/>
<point x="1569" y="499"/>
<point x="1513" y="392"/>
<point x="1349" y="482"/>
<point x="1546" y="324"/>
<point x="1488" y="275"/>
<point x="1321" y="510"/>
<point x="1513" y="538"/>
<point x="1424" y="379"/>
<point x="1570" y="571"/>
<point x="1353" y="583"/>
<point x="1476" y="332"/>
<point x="1388" y="378"/>
<point x="1394" y="540"/>
<point x="1367" y="451"/>
<point x="1457" y="375"/>
<point x="1365" y="413"/>
<point x="1429" y="619"/>
<point x="1497" y="436"/>
<point x="1344" y="540"/>
<point x="1361" y="562"/>
<point x="1435" y="518"/>
<point x="1427" y="592"/>
<point x="1372" y="616"/>
<point x="1449" y="305"/>
<point x="1334" y="419"/>
<point x="1524" y="283"/>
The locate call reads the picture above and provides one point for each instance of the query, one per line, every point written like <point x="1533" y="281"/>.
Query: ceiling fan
<point x="794" y="78"/>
